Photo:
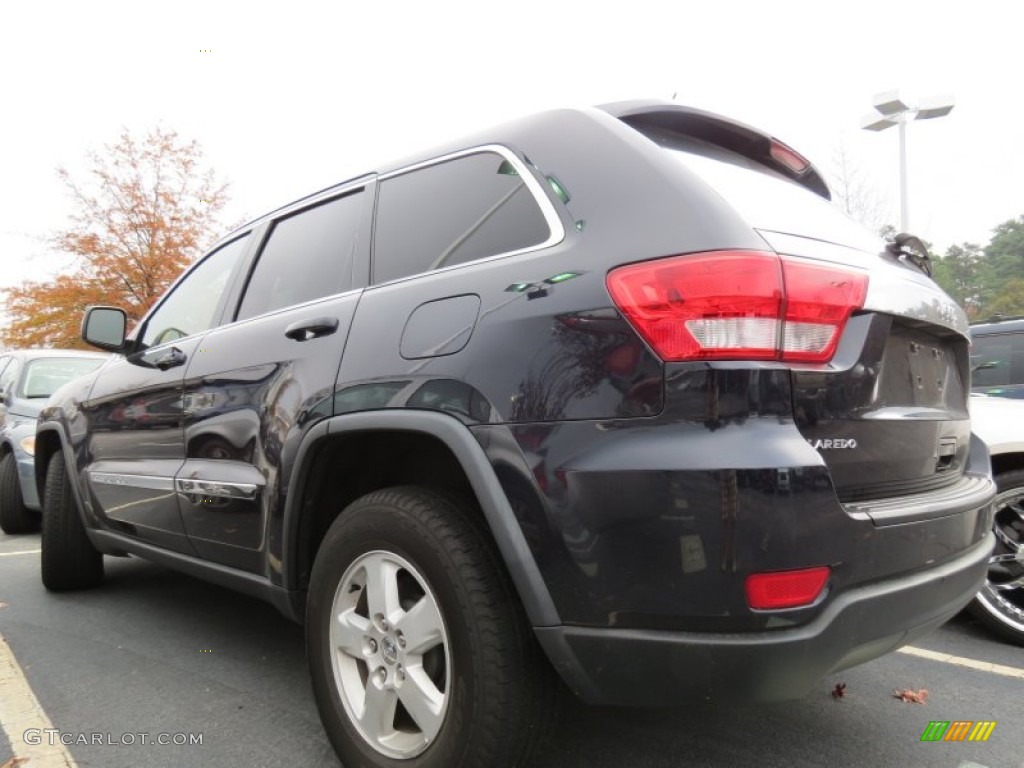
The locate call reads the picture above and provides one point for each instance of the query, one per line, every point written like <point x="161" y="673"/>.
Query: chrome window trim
<point x="556" y="231"/>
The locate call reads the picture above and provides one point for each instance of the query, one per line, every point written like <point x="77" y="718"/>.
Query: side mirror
<point x="104" y="327"/>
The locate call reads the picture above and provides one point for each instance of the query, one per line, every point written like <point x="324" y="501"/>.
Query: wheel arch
<point x="51" y="439"/>
<point x="458" y="459"/>
<point x="48" y="442"/>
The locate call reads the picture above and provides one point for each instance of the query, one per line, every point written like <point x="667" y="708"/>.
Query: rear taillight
<point x="738" y="305"/>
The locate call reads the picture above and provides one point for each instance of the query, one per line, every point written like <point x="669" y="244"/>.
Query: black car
<point x="609" y="395"/>
<point x="997" y="357"/>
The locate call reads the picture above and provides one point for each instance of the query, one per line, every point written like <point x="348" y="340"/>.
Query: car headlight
<point x="28" y="445"/>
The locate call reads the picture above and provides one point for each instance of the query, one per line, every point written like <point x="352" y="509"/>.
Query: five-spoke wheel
<point x="419" y="650"/>
<point x="391" y="654"/>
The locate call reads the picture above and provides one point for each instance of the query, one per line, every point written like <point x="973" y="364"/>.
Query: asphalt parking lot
<point x="157" y="656"/>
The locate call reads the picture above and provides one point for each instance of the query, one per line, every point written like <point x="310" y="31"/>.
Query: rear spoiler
<point x="722" y="132"/>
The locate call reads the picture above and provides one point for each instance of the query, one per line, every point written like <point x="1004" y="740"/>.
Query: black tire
<point x="15" y="517"/>
<point x="501" y="700"/>
<point x="1002" y="610"/>
<point x="69" y="560"/>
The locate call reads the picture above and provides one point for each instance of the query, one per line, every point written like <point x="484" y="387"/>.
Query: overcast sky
<point x="294" y="96"/>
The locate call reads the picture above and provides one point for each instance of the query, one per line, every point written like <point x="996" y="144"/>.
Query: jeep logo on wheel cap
<point x="833" y="443"/>
<point x="389" y="649"/>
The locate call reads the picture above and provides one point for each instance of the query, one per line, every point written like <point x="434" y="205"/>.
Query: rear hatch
<point x="888" y="413"/>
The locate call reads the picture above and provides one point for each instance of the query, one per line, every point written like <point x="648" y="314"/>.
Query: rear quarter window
<point x="451" y="212"/>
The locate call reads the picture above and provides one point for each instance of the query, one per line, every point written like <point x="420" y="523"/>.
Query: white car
<point x="999" y="605"/>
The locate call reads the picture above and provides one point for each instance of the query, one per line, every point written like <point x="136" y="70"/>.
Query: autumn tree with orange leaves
<point x="148" y="208"/>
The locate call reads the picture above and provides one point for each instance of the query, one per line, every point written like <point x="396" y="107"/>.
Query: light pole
<point x="890" y="111"/>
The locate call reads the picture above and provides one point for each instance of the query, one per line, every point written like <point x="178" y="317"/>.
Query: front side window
<point x="307" y="256"/>
<point x="191" y="307"/>
<point x="452" y="212"/>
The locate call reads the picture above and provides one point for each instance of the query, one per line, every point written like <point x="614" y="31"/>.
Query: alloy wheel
<point x="1003" y="594"/>
<point x="390" y="654"/>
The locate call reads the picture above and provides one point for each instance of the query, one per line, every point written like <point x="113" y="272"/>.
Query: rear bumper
<point x="650" y="667"/>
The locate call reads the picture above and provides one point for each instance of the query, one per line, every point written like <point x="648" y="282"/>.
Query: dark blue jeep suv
<point x="609" y="395"/>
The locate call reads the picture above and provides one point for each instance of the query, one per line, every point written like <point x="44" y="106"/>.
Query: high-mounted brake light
<point x="738" y="305"/>
<point x="788" y="157"/>
<point x="785" y="589"/>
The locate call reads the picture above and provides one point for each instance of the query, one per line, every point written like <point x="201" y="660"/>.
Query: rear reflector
<point x="785" y="589"/>
<point x="738" y="305"/>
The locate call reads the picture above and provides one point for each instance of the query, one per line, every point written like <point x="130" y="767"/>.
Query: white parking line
<point x="21" y="552"/>
<point x="962" y="661"/>
<point x="20" y="712"/>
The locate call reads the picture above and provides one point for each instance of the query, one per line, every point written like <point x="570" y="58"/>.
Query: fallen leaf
<point x="14" y="762"/>
<point x="839" y="691"/>
<point x="911" y="697"/>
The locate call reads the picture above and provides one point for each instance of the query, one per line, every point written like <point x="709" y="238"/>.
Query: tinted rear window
<point x="765" y="199"/>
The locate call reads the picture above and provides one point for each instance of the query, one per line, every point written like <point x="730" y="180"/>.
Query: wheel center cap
<point x="389" y="649"/>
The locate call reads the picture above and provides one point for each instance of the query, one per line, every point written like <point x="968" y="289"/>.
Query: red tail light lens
<point x="738" y="305"/>
<point x="785" y="589"/>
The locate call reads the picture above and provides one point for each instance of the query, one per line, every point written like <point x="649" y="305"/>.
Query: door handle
<point x="172" y="359"/>
<point x="314" y="328"/>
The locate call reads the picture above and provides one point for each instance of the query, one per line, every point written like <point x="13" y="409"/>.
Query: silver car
<point x="27" y="379"/>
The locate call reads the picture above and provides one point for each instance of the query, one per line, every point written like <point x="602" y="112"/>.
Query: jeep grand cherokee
<point x="612" y="392"/>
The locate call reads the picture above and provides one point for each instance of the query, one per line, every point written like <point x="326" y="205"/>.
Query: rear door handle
<point x="314" y="328"/>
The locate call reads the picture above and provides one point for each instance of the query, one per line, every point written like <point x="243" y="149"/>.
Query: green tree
<point x="1003" y="270"/>
<point x="1005" y="252"/>
<point x="1008" y="301"/>
<point x="959" y="272"/>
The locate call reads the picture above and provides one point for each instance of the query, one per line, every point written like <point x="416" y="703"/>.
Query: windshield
<point x="765" y="199"/>
<point x="43" y="377"/>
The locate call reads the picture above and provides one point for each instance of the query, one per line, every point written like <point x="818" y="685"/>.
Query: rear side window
<point x="452" y="212"/>
<point x="997" y="360"/>
<point x="308" y="256"/>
